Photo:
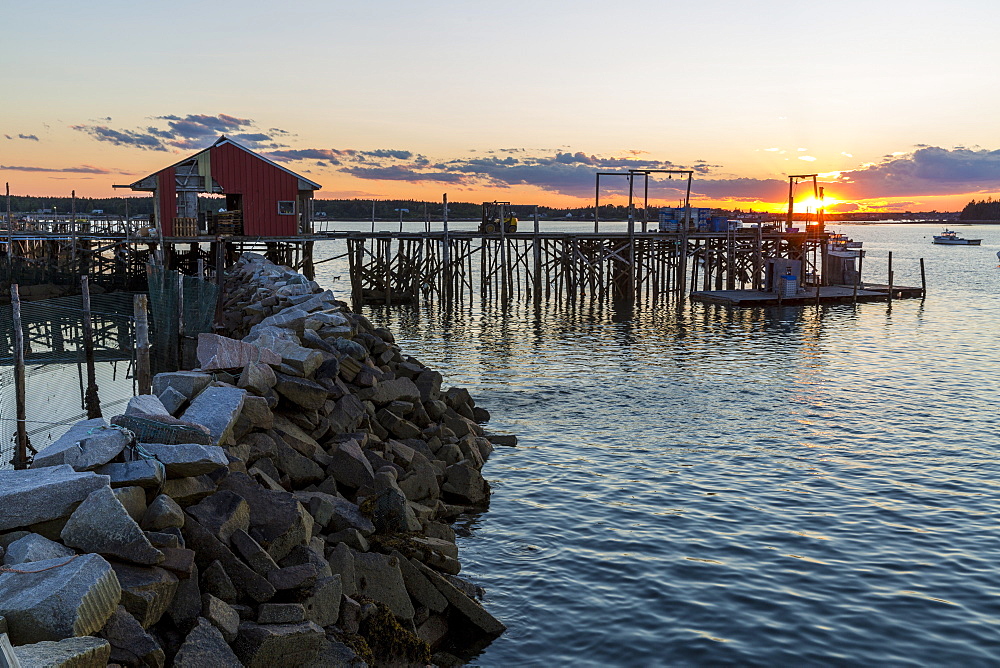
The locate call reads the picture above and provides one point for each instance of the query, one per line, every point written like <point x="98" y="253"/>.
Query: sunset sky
<point x="894" y="103"/>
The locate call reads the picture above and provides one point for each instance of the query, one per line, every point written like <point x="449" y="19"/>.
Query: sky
<point x="893" y="103"/>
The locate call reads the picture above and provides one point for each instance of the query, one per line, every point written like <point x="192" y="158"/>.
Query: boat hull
<point x="958" y="242"/>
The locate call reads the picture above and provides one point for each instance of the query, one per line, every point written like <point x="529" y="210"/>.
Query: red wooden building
<point x="262" y="198"/>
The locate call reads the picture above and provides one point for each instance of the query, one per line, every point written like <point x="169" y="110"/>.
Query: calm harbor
<point x="765" y="486"/>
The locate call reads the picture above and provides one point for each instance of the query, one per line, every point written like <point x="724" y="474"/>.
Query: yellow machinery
<point x="493" y="213"/>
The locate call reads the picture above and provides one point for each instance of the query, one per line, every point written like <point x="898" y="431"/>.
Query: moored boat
<point x="951" y="238"/>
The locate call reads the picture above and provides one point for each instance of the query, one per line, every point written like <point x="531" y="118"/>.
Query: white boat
<point x="951" y="238"/>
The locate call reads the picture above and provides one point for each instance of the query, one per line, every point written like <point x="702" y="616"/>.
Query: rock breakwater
<point x="286" y="503"/>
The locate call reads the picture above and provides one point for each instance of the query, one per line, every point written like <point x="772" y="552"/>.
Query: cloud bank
<point x="926" y="170"/>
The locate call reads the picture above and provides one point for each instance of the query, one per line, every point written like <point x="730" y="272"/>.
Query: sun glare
<point x="811" y="204"/>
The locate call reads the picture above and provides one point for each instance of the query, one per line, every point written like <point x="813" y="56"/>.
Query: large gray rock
<point x="38" y="495"/>
<point x="465" y="607"/>
<point x="209" y="549"/>
<point x="162" y="513"/>
<point x="58" y="600"/>
<point x="145" y="473"/>
<point x="221" y="615"/>
<point x="186" y="491"/>
<point x="187" y="460"/>
<point x="222" y="513"/>
<point x="216" y="408"/>
<point x="252" y="553"/>
<point x="34" y="548"/>
<point x="269" y="645"/>
<point x="102" y="525"/>
<point x="87" y="445"/>
<point x="220" y="352"/>
<point x="188" y="383"/>
<point x="301" y="470"/>
<point x="146" y="592"/>
<point x="83" y="652"/>
<point x="277" y="521"/>
<point x="398" y="389"/>
<point x="322" y="601"/>
<point x="346" y="415"/>
<point x="465" y="483"/>
<point x="350" y="467"/>
<point x="341" y="560"/>
<point x="133" y="499"/>
<point x="303" y="392"/>
<point x="146" y="406"/>
<point x="186" y="606"/>
<point x="130" y="644"/>
<point x="258" y="378"/>
<point x="205" y="646"/>
<point x="172" y="400"/>
<point x="377" y="576"/>
<point x="419" y="587"/>
<point x="346" y="515"/>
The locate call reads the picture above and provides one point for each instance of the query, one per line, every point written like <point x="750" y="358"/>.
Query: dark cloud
<point x="83" y="169"/>
<point x="402" y="173"/>
<point x="194" y="126"/>
<point x="142" y="140"/>
<point x="29" y="137"/>
<point x="330" y="155"/>
<point x="388" y="153"/>
<point x="928" y="170"/>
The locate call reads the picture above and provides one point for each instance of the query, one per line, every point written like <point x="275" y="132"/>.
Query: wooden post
<point x="446" y="249"/>
<point x="127" y="228"/>
<point x="923" y="280"/>
<point x="91" y="400"/>
<point x="21" y="452"/>
<point x="537" y="252"/>
<point x="143" y="374"/>
<point x="72" y="223"/>
<point x="857" y="278"/>
<point x="890" y="276"/>
<point x="597" y="201"/>
<point x="10" y="227"/>
<point x="180" y="320"/>
<point x="220" y="264"/>
<point x="373" y="216"/>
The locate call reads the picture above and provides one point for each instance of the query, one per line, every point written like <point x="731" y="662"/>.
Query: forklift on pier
<point x="493" y="214"/>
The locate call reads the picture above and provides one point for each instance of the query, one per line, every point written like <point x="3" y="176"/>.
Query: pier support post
<point x="21" y="452"/>
<point x="91" y="400"/>
<point x="143" y="376"/>
<point x="923" y="280"/>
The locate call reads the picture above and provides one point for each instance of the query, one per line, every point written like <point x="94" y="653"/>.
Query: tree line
<point x="985" y="209"/>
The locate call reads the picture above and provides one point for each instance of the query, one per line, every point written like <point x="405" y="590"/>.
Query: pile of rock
<point x="286" y="504"/>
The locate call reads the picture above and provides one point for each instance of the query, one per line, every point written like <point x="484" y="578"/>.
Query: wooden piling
<point x="21" y="451"/>
<point x="889" y="276"/>
<point x="91" y="400"/>
<point x="143" y="375"/>
<point x="923" y="279"/>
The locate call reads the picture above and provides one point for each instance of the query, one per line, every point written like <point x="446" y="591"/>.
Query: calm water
<point x="779" y="486"/>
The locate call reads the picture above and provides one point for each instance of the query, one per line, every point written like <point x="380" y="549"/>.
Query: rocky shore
<point x="287" y="503"/>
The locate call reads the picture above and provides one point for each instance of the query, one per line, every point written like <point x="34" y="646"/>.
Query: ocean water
<point x="697" y="485"/>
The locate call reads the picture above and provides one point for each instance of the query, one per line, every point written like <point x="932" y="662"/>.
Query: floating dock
<point x="825" y="294"/>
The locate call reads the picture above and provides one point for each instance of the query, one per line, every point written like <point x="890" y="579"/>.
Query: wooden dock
<point x="826" y="294"/>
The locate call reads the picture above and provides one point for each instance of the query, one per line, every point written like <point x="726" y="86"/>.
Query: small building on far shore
<point x="262" y="198"/>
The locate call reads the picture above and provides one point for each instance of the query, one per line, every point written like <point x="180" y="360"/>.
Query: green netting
<point x="154" y="431"/>
<point x="199" y="298"/>
<point x="55" y="369"/>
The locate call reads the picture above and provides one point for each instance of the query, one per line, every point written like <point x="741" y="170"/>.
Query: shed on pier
<point x="262" y="198"/>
